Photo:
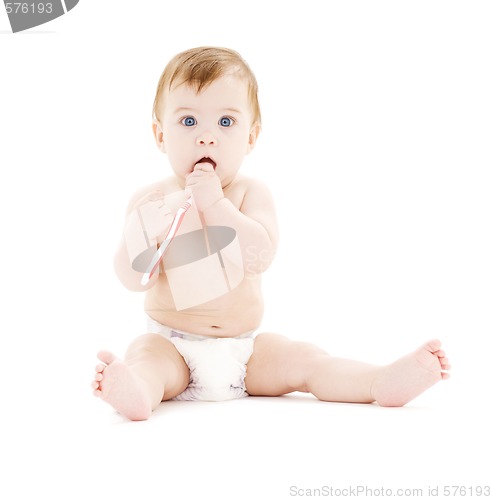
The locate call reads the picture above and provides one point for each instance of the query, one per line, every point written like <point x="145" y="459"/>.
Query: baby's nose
<point x="206" y="139"/>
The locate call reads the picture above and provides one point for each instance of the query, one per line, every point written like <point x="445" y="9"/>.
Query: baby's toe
<point x="106" y="357"/>
<point x="100" y="368"/>
<point x="433" y="346"/>
<point x="98" y="377"/>
<point x="445" y="365"/>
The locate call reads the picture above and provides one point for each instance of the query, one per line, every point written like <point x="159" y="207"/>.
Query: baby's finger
<point x="204" y="166"/>
<point x="191" y="180"/>
<point x="199" y="175"/>
<point x="194" y="178"/>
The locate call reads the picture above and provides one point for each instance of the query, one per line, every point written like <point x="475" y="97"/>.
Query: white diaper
<point x="217" y="365"/>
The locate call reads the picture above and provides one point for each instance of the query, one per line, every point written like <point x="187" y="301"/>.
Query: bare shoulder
<point x="250" y="182"/>
<point x="257" y="197"/>
<point x="247" y="193"/>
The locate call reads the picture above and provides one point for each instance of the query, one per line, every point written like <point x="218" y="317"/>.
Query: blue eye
<point x="188" y="121"/>
<point x="225" y="121"/>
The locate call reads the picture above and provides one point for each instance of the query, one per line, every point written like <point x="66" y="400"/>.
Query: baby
<point x="205" y="303"/>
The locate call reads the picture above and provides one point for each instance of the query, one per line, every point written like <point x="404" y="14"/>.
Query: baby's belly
<point x="234" y="313"/>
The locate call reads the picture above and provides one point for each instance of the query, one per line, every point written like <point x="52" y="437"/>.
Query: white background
<point x="377" y="124"/>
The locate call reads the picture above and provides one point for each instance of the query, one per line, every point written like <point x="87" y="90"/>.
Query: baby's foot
<point x="411" y="375"/>
<point x="115" y="383"/>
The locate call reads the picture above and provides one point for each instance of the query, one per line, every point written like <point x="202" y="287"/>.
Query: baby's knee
<point x="304" y="359"/>
<point x="150" y="346"/>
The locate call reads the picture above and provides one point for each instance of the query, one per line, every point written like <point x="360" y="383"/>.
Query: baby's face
<point x="214" y="124"/>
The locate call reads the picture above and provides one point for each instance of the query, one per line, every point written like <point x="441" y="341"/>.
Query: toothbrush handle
<point x="156" y="259"/>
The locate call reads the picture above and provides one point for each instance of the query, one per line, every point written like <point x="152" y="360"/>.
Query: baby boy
<point x="205" y="303"/>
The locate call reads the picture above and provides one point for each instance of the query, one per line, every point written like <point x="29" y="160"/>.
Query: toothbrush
<point x="156" y="259"/>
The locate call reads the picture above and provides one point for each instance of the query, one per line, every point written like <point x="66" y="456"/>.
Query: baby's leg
<point x="279" y="366"/>
<point x="151" y="372"/>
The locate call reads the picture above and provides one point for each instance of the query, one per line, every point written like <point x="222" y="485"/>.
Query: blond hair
<point x="201" y="66"/>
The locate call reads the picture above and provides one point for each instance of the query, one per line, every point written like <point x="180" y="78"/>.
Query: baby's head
<point x="201" y="66"/>
<point x="206" y="109"/>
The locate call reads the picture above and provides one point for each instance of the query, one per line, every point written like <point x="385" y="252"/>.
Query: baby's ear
<point x="158" y="135"/>
<point x="253" y="135"/>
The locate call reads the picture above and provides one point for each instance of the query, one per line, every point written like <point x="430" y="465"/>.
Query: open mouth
<point x="206" y="159"/>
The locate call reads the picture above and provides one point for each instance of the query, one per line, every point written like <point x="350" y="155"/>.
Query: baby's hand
<point x="152" y="215"/>
<point x="205" y="186"/>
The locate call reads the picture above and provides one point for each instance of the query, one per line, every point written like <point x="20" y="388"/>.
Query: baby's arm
<point x="255" y="223"/>
<point x="146" y="221"/>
